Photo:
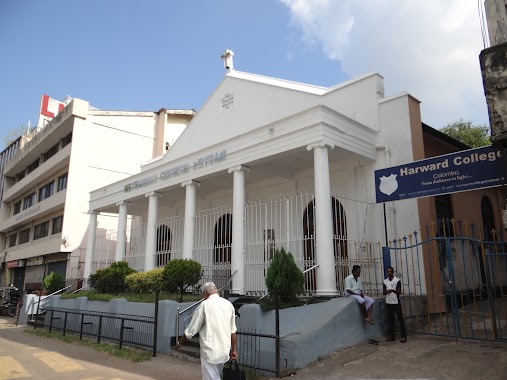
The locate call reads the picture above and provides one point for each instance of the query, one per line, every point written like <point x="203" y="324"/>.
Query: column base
<point x="237" y="292"/>
<point x="332" y="293"/>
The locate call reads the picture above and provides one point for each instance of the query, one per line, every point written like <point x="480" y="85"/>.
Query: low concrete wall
<point x="30" y="302"/>
<point x="307" y="332"/>
<point x="311" y="331"/>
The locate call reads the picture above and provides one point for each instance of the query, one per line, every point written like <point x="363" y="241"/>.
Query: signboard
<point x="466" y="170"/>
<point x="34" y="261"/>
<point x="49" y="108"/>
<point x="13" y="264"/>
<point x="177" y="170"/>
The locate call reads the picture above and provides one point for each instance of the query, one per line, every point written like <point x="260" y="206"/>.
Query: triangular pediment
<point x="244" y="102"/>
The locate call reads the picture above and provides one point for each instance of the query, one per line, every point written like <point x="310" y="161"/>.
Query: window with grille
<point x="46" y="191"/>
<point x="62" y="182"/>
<point x="12" y="240"/>
<point x="67" y="140"/>
<point x="41" y="230"/>
<point x="24" y="236"/>
<point x="34" y="165"/>
<point x="28" y="201"/>
<point x="57" y="225"/>
<point x="16" y="208"/>
<point x="51" y="152"/>
<point x="20" y="175"/>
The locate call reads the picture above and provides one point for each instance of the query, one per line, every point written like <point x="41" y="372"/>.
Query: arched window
<point x="223" y="239"/>
<point x="222" y="250"/>
<point x="163" y="245"/>
<point x="339" y="240"/>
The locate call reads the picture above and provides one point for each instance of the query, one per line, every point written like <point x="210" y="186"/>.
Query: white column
<point x="121" y="235"/>
<point x="189" y="226"/>
<point x="151" y="233"/>
<point x="238" y="229"/>
<point x="324" y="252"/>
<point x="90" y="246"/>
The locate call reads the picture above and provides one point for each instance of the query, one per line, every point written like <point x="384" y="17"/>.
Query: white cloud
<point x="429" y="48"/>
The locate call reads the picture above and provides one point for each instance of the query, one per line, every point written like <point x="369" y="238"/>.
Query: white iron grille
<point x="282" y="221"/>
<point x="169" y="237"/>
<point x="212" y="244"/>
<point x="136" y="244"/>
<point x="105" y="249"/>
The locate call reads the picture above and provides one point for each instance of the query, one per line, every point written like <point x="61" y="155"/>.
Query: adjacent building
<point x="44" y="220"/>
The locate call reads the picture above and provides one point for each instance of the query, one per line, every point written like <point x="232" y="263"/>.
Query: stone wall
<point x="494" y="75"/>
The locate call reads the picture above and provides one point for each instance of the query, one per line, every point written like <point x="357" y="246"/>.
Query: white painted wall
<point x="395" y="135"/>
<point x="258" y="104"/>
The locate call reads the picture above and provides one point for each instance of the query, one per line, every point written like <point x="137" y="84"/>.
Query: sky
<point x="152" y="54"/>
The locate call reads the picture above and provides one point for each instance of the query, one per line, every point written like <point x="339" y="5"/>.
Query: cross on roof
<point x="227" y="58"/>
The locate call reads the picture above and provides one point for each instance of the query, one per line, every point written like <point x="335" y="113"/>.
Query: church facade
<point x="268" y="163"/>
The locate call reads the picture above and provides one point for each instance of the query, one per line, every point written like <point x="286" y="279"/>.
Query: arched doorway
<point x="164" y="242"/>
<point x="339" y="242"/>
<point x="222" y="250"/>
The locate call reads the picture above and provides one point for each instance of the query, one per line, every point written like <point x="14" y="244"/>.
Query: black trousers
<point x="392" y="309"/>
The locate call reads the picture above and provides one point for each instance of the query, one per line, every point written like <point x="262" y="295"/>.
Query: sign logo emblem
<point x="388" y="185"/>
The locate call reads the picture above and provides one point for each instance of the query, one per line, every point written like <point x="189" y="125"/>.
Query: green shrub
<point x="284" y="277"/>
<point x="112" y="279"/>
<point x="53" y="282"/>
<point x="94" y="279"/>
<point x="144" y="282"/>
<point x="180" y="274"/>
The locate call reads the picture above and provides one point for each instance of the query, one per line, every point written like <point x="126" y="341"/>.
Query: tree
<point x="284" y="277"/>
<point x="53" y="282"/>
<point x="112" y="279"/>
<point x="180" y="274"/>
<point x="469" y="134"/>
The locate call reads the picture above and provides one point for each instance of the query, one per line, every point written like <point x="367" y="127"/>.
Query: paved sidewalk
<point x="421" y="357"/>
<point x="25" y="356"/>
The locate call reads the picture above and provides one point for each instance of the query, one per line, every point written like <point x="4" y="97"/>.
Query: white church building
<point x="268" y="163"/>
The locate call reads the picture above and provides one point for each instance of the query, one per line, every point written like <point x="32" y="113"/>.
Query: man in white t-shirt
<point x="354" y="289"/>
<point x="215" y="321"/>
<point x="392" y="291"/>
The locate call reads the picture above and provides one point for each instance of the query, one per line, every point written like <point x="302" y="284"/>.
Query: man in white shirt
<point x="215" y="321"/>
<point x="354" y="289"/>
<point x="392" y="291"/>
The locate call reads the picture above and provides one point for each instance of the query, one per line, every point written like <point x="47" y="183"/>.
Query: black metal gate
<point x="454" y="284"/>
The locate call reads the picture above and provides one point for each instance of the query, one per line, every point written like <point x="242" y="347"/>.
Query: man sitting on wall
<point x="354" y="288"/>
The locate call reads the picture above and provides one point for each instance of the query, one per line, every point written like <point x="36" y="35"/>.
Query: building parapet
<point x="77" y="108"/>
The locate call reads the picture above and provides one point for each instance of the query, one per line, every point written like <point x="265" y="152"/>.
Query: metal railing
<point x="132" y="330"/>
<point x="41" y="303"/>
<point x="254" y="349"/>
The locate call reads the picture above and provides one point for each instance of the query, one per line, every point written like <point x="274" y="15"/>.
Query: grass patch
<point x="93" y="295"/>
<point x="129" y="353"/>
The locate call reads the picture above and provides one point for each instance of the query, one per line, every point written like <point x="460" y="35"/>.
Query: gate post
<point x="452" y="282"/>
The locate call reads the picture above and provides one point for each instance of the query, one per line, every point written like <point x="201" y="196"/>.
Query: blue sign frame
<point x="451" y="173"/>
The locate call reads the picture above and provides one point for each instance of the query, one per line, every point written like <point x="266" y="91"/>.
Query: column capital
<point x="237" y="168"/>
<point x="320" y="144"/>
<point x="152" y="193"/>
<point x="190" y="182"/>
<point x="123" y="203"/>
<point x="92" y="212"/>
